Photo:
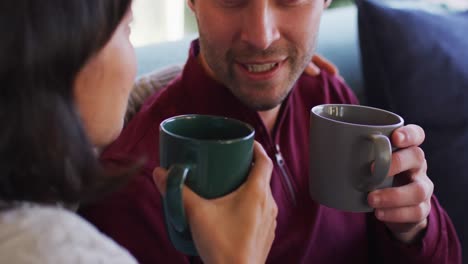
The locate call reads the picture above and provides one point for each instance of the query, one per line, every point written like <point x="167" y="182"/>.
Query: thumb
<point x="262" y="167"/>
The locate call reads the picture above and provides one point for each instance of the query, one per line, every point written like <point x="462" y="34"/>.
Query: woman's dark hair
<point x="45" y="155"/>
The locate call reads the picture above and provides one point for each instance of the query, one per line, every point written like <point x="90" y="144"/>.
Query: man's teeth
<point x="260" y="67"/>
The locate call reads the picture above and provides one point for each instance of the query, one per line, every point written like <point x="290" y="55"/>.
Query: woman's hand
<point x="319" y="63"/>
<point x="236" y="228"/>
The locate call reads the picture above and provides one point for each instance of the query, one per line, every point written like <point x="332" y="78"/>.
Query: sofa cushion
<point x="148" y="84"/>
<point x="161" y="55"/>
<point x="415" y="63"/>
<point x="338" y="42"/>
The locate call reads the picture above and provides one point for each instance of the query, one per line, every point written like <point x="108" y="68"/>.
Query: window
<point x="165" y="20"/>
<point x="160" y="20"/>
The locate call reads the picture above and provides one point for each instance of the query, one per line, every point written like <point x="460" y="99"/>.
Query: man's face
<point x="257" y="48"/>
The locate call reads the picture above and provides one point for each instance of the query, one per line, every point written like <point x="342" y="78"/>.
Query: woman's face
<point x="103" y="85"/>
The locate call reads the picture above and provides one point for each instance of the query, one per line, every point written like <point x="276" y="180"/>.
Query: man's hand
<point x="236" y="228"/>
<point x="405" y="207"/>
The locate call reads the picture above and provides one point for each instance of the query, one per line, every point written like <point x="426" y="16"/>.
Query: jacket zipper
<point x="284" y="173"/>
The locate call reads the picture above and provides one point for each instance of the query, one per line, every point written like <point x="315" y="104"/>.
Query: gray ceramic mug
<point x="344" y="142"/>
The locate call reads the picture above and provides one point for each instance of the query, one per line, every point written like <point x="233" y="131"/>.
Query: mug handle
<point x="382" y="161"/>
<point x="173" y="199"/>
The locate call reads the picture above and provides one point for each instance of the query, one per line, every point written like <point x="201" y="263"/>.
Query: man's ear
<point x="191" y="4"/>
<point x="327" y="3"/>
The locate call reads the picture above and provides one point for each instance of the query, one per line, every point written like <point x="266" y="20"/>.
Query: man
<point x="248" y="64"/>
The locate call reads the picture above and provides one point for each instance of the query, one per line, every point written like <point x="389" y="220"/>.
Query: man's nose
<point x="260" y="27"/>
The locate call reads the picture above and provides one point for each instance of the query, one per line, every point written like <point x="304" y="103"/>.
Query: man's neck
<point x="269" y="117"/>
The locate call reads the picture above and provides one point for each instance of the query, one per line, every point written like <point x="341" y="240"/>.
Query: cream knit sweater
<point x="40" y="234"/>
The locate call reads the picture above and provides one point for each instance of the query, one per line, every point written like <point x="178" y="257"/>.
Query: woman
<point x="66" y="71"/>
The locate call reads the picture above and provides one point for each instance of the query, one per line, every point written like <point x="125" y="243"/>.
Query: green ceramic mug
<point x="210" y="154"/>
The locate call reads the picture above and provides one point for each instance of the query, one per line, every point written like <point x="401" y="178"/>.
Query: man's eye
<point x="232" y="3"/>
<point x="293" y="2"/>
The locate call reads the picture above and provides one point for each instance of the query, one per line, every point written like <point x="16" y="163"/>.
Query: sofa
<point x="374" y="55"/>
